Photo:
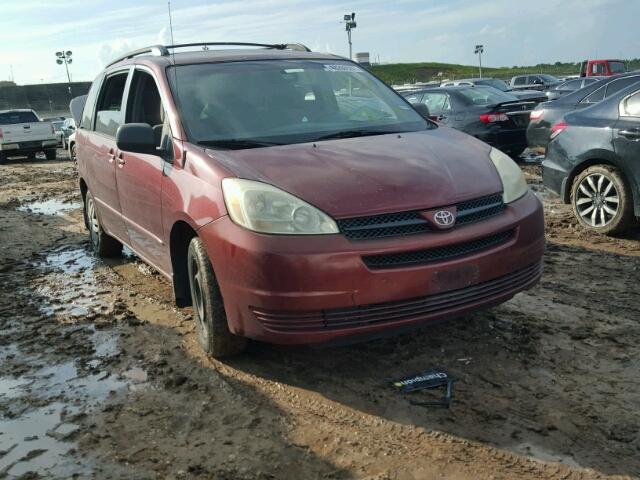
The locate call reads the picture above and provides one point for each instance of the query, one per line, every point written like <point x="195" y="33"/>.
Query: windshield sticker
<point x="342" y="68"/>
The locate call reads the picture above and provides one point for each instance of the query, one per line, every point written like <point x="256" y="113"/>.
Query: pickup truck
<point x="601" y="68"/>
<point x="22" y="133"/>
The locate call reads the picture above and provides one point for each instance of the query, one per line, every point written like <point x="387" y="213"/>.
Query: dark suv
<point x="292" y="197"/>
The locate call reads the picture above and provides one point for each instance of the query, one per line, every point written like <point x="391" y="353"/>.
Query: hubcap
<point x="196" y="288"/>
<point x="597" y="200"/>
<point x="94" y="226"/>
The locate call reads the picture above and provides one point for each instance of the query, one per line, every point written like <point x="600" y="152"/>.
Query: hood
<point x="376" y="174"/>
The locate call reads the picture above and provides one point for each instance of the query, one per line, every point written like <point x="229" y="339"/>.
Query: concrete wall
<point x="47" y="100"/>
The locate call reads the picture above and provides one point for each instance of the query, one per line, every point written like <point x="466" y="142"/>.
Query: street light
<point x="64" y="57"/>
<point x="478" y="51"/>
<point x="349" y="20"/>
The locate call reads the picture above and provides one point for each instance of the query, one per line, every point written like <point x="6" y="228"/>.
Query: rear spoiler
<point x="521" y="106"/>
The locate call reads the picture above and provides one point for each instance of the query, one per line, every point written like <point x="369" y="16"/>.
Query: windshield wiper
<point x="237" y="144"/>
<point x="351" y="134"/>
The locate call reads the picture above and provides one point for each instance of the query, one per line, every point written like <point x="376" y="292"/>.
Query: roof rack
<point x="163" y="50"/>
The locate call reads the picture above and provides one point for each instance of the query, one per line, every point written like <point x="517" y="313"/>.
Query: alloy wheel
<point x="597" y="200"/>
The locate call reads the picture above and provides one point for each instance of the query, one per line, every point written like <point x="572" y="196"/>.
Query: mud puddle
<point x="49" y="207"/>
<point x="53" y="377"/>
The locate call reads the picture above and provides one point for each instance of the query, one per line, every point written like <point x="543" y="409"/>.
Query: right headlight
<point x="264" y="208"/>
<point x="514" y="186"/>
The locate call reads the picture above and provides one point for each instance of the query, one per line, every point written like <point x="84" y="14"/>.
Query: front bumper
<point x="555" y="171"/>
<point x="538" y="133"/>
<point x="291" y="290"/>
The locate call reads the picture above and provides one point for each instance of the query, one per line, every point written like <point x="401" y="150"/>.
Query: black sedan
<point x="497" y="118"/>
<point x="592" y="162"/>
<point x="499" y="85"/>
<point x="570" y="86"/>
<point x="547" y="114"/>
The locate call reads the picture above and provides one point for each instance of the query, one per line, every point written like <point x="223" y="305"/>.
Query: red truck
<point x="601" y="68"/>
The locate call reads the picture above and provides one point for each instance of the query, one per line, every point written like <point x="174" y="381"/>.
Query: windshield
<point x="617" y="67"/>
<point x="495" y="83"/>
<point x="9" y="118"/>
<point x="285" y="101"/>
<point x="486" y="96"/>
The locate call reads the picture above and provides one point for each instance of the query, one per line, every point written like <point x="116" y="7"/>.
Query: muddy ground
<point x="101" y="377"/>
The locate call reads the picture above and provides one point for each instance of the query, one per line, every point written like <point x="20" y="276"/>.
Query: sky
<point x="513" y="32"/>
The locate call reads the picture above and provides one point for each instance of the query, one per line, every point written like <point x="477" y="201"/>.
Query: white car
<point x="71" y="146"/>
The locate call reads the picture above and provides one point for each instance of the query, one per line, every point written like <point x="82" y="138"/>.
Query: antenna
<point x="175" y="74"/>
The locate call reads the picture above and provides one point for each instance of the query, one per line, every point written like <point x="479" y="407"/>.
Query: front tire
<point x="103" y="245"/>
<point x="50" y="154"/>
<point x="602" y="201"/>
<point x="208" y="307"/>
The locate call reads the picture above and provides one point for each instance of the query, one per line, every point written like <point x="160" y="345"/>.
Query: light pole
<point x="479" y="50"/>
<point x="64" y="57"/>
<point x="349" y="20"/>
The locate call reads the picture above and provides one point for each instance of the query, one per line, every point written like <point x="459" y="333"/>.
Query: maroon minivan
<point x="292" y="197"/>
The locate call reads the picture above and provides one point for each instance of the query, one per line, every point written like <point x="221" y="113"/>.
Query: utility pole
<point x="63" y="57"/>
<point x="478" y="51"/>
<point x="349" y="20"/>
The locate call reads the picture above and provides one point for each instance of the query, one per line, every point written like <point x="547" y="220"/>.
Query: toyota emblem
<point x="444" y="218"/>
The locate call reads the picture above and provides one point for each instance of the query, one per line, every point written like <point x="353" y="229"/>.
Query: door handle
<point x="631" y="133"/>
<point x="121" y="161"/>
<point x="111" y="156"/>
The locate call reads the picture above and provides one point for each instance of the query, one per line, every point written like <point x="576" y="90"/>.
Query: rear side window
<point x="414" y="98"/>
<point x="109" y="110"/>
<point x="595" y="97"/>
<point x="632" y="105"/>
<point x="617" y="85"/>
<point x="437" y="102"/>
<point x="11" y="118"/>
<point x="520" y="81"/>
<point x="598" y="69"/>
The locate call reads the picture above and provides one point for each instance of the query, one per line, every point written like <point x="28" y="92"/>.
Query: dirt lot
<point x="101" y="377"/>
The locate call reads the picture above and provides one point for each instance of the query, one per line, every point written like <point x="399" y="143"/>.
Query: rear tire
<point x="31" y="156"/>
<point x="208" y="307"/>
<point x="50" y="154"/>
<point x="602" y="200"/>
<point x="3" y="157"/>
<point x="103" y="245"/>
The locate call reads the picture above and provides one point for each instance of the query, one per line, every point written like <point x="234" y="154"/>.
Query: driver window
<point x="145" y="106"/>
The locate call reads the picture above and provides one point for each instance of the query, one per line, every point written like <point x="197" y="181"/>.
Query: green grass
<point x="400" y="73"/>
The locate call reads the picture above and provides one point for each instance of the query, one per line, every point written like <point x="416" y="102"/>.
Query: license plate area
<point x="454" y="278"/>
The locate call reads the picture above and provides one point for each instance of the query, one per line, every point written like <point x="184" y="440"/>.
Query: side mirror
<point x="136" y="138"/>
<point x="422" y="109"/>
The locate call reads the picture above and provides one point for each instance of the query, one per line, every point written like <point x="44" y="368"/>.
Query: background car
<point x="592" y="162"/>
<point x="68" y="128"/>
<point x="540" y="81"/>
<point x="497" y="118"/>
<point x="57" y="128"/>
<point x="569" y="86"/>
<point x="499" y="85"/>
<point x="546" y="114"/>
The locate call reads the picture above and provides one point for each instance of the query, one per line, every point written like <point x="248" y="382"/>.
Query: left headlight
<point x="264" y="208"/>
<point x="514" y="186"/>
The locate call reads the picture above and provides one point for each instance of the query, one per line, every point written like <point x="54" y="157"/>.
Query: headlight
<point x="514" y="186"/>
<point x="264" y="208"/>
